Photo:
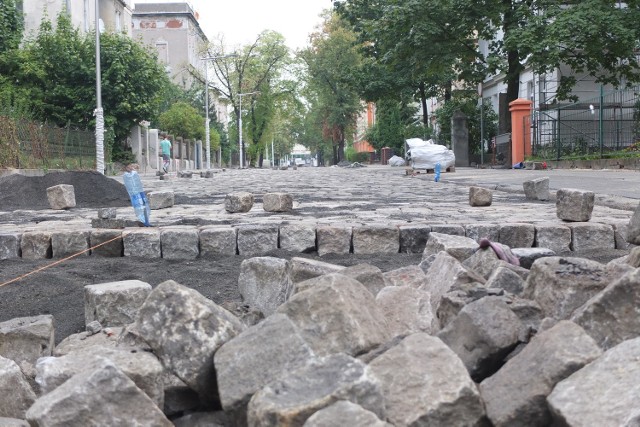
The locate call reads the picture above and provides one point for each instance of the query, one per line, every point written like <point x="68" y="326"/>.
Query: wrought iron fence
<point x="598" y="128"/>
<point x="28" y="144"/>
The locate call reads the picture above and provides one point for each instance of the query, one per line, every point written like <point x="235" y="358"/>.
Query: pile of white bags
<point x="396" y="161"/>
<point x="425" y="154"/>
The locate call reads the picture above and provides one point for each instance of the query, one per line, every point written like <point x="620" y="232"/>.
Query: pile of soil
<point x="92" y="190"/>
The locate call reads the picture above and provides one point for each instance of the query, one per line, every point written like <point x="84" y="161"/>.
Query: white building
<point x="115" y="15"/>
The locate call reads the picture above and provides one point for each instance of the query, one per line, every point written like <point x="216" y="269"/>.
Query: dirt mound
<point x="92" y="190"/>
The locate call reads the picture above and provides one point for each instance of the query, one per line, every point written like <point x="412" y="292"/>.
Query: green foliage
<point x="183" y="120"/>
<point x="54" y="78"/>
<point x="395" y="122"/>
<point x="11" y="25"/>
<point x="333" y="63"/>
<point x="467" y="104"/>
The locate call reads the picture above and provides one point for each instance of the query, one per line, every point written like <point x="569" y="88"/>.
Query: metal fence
<point x="28" y="144"/>
<point x="599" y="128"/>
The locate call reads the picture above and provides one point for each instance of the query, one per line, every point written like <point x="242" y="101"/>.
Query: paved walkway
<point x="363" y="196"/>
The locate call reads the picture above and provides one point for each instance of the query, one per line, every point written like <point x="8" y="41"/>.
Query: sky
<point x="240" y="21"/>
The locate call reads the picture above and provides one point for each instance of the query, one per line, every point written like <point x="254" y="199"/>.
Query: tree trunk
<point x="514" y="68"/>
<point x="423" y="102"/>
<point x="335" y="153"/>
<point x="341" y="150"/>
<point x="260" y="159"/>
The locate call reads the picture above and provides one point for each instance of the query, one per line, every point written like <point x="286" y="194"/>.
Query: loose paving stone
<point x="413" y="238"/>
<point x="335" y="240"/>
<point x="275" y="349"/>
<point x="351" y="324"/>
<point x="67" y="243"/>
<point x="554" y="237"/>
<point x="445" y="274"/>
<point x="36" y="245"/>
<point x="25" y="339"/>
<point x="527" y="256"/>
<point x="107" y="213"/>
<point x="507" y="279"/>
<point x="180" y="244"/>
<point x="142" y="243"/>
<point x="452" y="230"/>
<point x="297" y="238"/>
<point x="161" y="199"/>
<point x="459" y="247"/>
<point x="369" y="275"/>
<point x="479" y="196"/>
<point x="108" y="337"/>
<point x="61" y="196"/>
<point x="257" y="240"/>
<point x="17" y="395"/>
<point x="603" y="393"/>
<point x="301" y="269"/>
<point x="115" y="247"/>
<point x="613" y="315"/>
<point x="264" y="283"/>
<point x="587" y="236"/>
<point x="633" y="228"/>
<point x="142" y="367"/>
<point x="184" y="329"/>
<point x="277" y="202"/>
<point x="408" y="310"/>
<point x="517" y="235"/>
<point x="102" y="396"/>
<point x="425" y="383"/>
<point x="574" y="205"/>
<point x="411" y="275"/>
<point x="483" y="231"/>
<point x="536" y="189"/>
<point x="290" y="401"/>
<point x="13" y="422"/>
<point x="10" y="245"/>
<point x="218" y="241"/>
<point x="482" y="334"/>
<point x="375" y="239"/>
<point x="238" y="202"/>
<point x="114" y="303"/>
<point x="343" y="410"/>
<point x="529" y="377"/>
<point x="562" y="284"/>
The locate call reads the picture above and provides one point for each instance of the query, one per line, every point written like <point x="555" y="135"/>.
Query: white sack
<point x="427" y="155"/>
<point x="396" y="161"/>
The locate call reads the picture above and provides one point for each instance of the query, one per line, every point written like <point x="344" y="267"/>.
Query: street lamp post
<point x="207" y="132"/>
<point x="99" y="113"/>
<point x="240" y="95"/>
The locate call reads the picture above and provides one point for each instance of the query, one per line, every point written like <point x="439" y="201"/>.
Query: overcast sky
<point x="242" y="20"/>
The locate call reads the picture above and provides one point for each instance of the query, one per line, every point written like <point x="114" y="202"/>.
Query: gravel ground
<point x="59" y="290"/>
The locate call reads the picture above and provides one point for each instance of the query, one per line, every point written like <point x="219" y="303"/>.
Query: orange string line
<point x="59" y="261"/>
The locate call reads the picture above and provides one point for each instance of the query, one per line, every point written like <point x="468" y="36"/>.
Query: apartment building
<point x="115" y="15"/>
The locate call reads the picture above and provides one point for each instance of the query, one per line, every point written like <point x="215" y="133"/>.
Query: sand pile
<point x="92" y="190"/>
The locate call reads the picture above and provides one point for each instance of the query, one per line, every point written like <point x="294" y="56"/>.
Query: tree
<point x="56" y="76"/>
<point x="255" y="71"/>
<point x="11" y="26"/>
<point x="333" y="62"/>
<point x="182" y="120"/>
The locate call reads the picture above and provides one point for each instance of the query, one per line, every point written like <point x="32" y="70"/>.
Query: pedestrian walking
<point x="165" y="146"/>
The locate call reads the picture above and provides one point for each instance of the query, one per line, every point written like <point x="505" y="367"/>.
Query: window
<point x="163" y="51"/>
<point x="118" y="21"/>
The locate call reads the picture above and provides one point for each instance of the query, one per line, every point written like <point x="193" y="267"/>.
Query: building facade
<point x="115" y="15"/>
<point x="173" y="31"/>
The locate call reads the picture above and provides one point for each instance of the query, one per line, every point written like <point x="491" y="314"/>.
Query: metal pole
<point x="207" y="133"/>
<point x="601" y="120"/>
<point x="273" y="154"/>
<point x="240" y="130"/>
<point x="99" y="112"/>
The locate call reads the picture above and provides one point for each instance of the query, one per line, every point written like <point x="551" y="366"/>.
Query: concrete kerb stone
<point x="256" y="240"/>
<point x="218" y="241"/>
<point x="36" y="245"/>
<point x="180" y="243"/>
<point x="65" y="243"/>
<point x="10" y="245"/>
<point x="142" y="243"/>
